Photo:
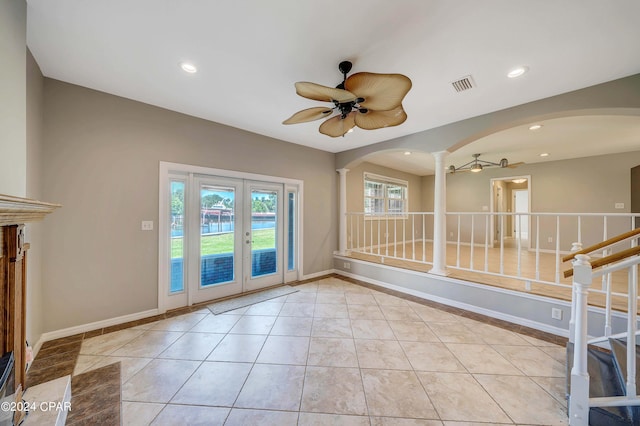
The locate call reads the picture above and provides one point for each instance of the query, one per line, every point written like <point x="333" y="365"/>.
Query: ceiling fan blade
<point x="381" y="92"/>
<point x="514" y="165"/>
<point x="378" y="119"/>
<point x="310" y="114"/>
<point x="318" y="92"/>
<point x="337" y="126"/>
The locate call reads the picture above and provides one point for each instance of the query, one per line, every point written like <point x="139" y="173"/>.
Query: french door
<point x="264" y="236"/>
<point x="227" y="236"/>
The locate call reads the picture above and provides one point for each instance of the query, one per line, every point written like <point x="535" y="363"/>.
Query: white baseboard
<point x="490" y="313"/>
<point x="319" y="274"/>
<point x="83" y="328"/>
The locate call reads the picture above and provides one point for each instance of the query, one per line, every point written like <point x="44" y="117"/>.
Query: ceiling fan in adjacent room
<point x="366" y="100"/>
<point x="477" y="165"/>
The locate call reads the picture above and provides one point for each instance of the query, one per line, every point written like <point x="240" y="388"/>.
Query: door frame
<point x="166" y="169"/>
<point x="493" y="185"/>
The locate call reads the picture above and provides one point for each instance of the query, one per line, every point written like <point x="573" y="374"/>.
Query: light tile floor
<point x="334" y="353"/>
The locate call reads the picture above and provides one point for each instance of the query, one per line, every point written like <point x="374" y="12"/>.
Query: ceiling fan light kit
<point x="476" y="165"/>
<point x="366" y="100"/>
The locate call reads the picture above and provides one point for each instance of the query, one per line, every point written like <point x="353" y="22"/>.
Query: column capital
<point x="440" y="154"/>
<point x="342" y="171"/>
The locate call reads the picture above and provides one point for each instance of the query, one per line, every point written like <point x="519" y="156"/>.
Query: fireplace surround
<point x="15" y="212"/>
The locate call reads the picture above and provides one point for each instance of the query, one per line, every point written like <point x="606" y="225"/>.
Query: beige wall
<point x="355" y="203"/>
<point x="102" y="155"/>
<point x="590" y="184"/>
<point x="35" y="85"/>
<point x="20" y="141"/>
<point x="13" y="157"/>
<point x="355" y="185"/>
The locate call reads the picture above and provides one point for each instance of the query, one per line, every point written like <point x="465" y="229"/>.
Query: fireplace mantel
<point x="16" y="210"/>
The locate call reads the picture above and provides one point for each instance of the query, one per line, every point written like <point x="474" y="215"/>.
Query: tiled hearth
<point x="336" y="352"/>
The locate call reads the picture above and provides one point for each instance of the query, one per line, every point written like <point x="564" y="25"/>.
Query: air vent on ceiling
<point x="465" y="83"/>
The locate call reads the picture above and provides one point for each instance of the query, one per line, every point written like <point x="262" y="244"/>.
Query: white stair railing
<point x="583" y="276"/>
<point x="483" y="243"/>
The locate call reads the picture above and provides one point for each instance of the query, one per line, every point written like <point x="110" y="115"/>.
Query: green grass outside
<point x="223" y="243"/>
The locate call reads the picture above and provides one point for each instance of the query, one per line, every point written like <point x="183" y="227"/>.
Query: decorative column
<point x="342" y="223"/>
<point x="439" y="217"/>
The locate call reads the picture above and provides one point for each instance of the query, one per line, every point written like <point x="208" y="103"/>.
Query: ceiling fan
<point x="477" y="165"/>
<point x="366" y="100"/>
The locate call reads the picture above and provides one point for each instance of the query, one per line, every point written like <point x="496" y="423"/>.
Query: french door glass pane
<point x="177" y="236"/>
<point x="264" y="205"/>
<point x="291" y="206"/>
<point x="217" y="242"/>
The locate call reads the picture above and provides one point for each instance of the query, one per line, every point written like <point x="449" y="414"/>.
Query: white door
<point x="521" y="205"/>
<point x="226" y="237"/>
<point x="263" y="234"/>
<point x="216" y="249"/>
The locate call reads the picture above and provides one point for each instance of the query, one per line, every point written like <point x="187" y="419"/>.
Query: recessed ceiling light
<point x="188" y="67"/>
<point x="517" y="72"/>
<point x="535" y="127"/>
<point x="544" y="154"/>
<point x="407" y="153"/>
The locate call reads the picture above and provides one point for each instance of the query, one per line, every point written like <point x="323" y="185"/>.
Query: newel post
<point x="579" y="398"/>
<point x="572" y="322"/>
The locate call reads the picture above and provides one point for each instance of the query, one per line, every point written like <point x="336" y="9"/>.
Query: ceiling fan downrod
<point x="346" y="107"/>
<point x="345" y="68"/>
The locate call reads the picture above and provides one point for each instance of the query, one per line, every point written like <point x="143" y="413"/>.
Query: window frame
<point x="385" y="181"/>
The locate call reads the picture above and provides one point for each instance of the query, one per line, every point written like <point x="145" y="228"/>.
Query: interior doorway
<point x="511" y="200"/>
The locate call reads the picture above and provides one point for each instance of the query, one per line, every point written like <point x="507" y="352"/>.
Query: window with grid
<point x="384" y="196"/>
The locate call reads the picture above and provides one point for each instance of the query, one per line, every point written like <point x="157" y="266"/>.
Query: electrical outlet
<point x="451" y="234"/>
<point x="147" y="225"/>
<point x="550" y="239"/>
<point x="347" y="265"/>
<point x="556" y="313"/>
<point x="619" y="205"/>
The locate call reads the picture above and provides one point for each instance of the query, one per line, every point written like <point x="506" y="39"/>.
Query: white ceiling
<point x="249" y="53"/>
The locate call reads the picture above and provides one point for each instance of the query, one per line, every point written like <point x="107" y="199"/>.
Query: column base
<point x="441" y="272"/>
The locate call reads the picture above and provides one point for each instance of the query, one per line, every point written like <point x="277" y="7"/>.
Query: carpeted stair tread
<point x="603" y="382"/>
